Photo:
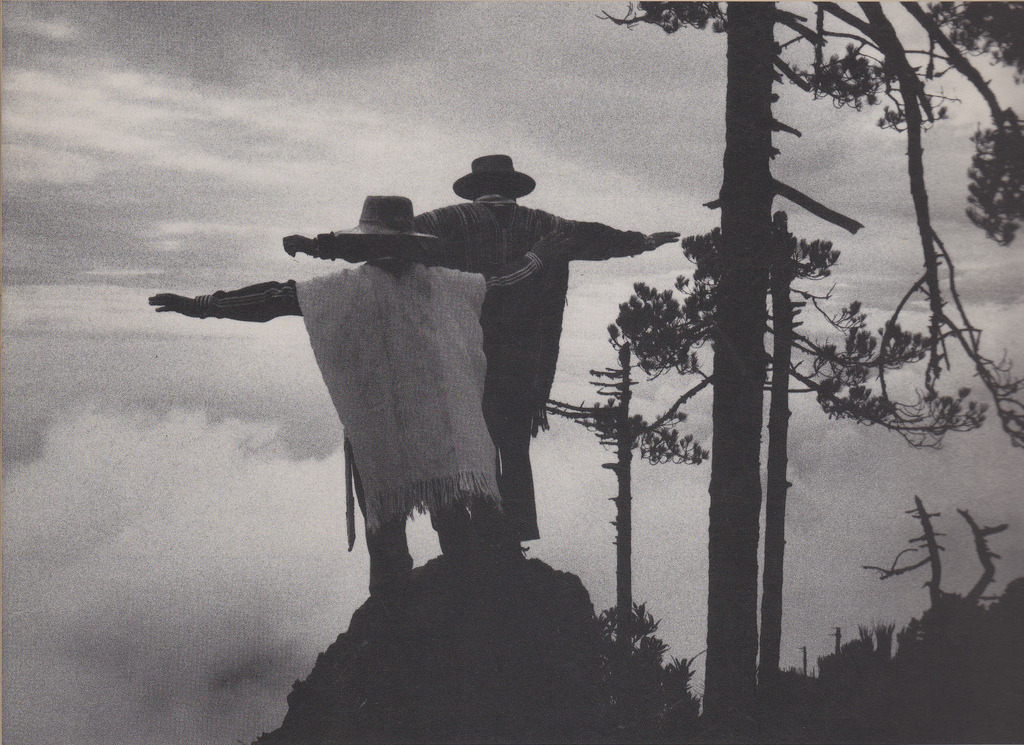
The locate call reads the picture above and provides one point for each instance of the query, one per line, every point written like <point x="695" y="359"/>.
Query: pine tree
<point x="623" y="432"/>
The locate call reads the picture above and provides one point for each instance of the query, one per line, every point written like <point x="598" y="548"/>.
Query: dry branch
<point x="985" y="554"/>
<point x="793" y="76"/>
<point x="816" y="208"/>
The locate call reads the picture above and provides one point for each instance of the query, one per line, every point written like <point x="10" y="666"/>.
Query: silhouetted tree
<point x="876" y="65"/>
<point x="929" y="541"/>
<point x="667" y="334"/>
<point x="623" y="432"/>
<point x="985" y="555"/>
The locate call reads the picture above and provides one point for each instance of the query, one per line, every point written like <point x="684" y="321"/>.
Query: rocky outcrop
<point x="506" y="652"/>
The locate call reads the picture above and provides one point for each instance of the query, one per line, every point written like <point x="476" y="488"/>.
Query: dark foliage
<point x="997" y="181"/>
<point x="673" y="16"/>
<point x="664" y="333"/>
<point x="995" y="28"/>
<point x="648" y="699"/>
<point x="489" y="654"/>
<point x="849" y="79"/>
<point x="667" y="329"/>
<point x="954" y="678"/>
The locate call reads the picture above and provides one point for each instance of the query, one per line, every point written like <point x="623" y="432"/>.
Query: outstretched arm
<point x="259" y="303"/>
<point x="596" y="242"/>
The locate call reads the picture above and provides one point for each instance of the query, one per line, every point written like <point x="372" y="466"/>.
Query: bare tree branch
<point x="893" y="571"/>
<point x="778" y="126"/>
<point x="846" y="17"/>
<point x="816" y="208"/>
<point x="985" y="555"/>
<point x="930" y="540"/>
<point x="794" y="77"/>
<point x="859" y="39"/>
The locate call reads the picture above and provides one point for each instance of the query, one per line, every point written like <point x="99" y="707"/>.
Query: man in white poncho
<point x="400" y="348"/>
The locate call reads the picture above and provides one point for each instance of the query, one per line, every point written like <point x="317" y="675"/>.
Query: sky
<point x="173" y="530"/>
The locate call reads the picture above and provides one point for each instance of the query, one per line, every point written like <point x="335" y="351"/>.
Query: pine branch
<point x="674" y="409"/>
<point x="794" y="22"/>
<point x="911" y="88"/>
<point x="957" y="59"/>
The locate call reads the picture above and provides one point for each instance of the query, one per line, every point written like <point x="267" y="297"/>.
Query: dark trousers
<point x="509" y="417"/>
<point x="463" y="536"/>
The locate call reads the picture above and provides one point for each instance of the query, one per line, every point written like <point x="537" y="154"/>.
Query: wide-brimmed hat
<point x="386" y="217"/>
<point x="493" y="174"/>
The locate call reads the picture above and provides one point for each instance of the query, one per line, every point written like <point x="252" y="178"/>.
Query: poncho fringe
<point x="418" y="497"/>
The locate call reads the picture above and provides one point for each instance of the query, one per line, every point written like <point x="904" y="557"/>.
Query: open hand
<point x="167" y="302"/>
<point x="660" y="239"/>
<point x="294" y="244"/>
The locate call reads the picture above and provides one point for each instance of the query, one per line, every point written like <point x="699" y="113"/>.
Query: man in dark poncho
<point x="522" y="314"/>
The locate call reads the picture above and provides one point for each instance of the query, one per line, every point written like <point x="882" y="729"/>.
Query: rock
<point x="507" y="652"/>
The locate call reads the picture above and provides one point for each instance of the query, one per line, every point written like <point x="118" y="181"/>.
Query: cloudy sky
<point x="173" y="552"/>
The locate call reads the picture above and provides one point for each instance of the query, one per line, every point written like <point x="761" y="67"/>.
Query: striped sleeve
<point x="260" y="303"/>
<point x="529" y="265"/>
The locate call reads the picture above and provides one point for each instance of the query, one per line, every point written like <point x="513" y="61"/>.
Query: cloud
<point x="57" y="30"/>
<point x="102" y="346"/>
<point x="180" y="572"/>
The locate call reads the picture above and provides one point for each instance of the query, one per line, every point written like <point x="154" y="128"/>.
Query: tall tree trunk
<point x="780" y="280"/>
<point x="739" y="367"/>
<point x="624" y="513"/>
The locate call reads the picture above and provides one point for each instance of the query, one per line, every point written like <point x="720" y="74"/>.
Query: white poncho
<point x="402" y="357"/>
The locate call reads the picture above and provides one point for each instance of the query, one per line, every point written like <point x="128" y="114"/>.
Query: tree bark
<point x="624" y="514"/>
<point x="781" y="277"/>
<point x="739" y="368"/>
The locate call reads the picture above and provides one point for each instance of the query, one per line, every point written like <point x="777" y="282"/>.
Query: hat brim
<point x="512" y="184"/>
<point x="375" y="232"/>
<point x="362" y="244"/>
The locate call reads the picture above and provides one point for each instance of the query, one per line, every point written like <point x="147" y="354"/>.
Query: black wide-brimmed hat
<point x="494" y="174"/>
<point x="386" y="217"/>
